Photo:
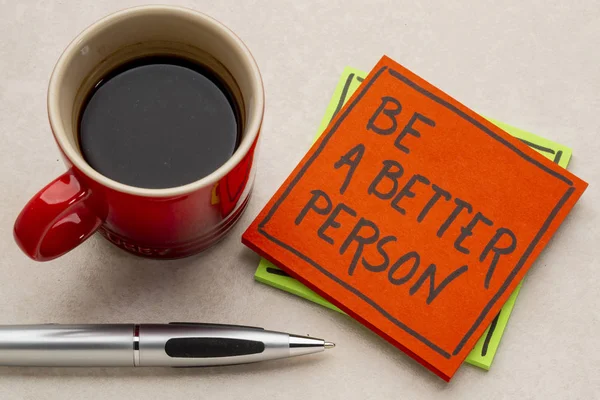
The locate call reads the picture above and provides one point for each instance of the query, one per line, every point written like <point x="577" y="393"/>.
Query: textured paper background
<point x="532" y="63"/>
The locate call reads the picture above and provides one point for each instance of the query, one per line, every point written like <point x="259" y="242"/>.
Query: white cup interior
<point x="143" y="31"/>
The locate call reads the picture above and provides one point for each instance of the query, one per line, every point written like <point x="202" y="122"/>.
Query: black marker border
<point x="343" y="95"/>
<point x="381" y="310"/>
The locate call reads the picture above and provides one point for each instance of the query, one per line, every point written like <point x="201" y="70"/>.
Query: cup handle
<point x="56" y="219"/>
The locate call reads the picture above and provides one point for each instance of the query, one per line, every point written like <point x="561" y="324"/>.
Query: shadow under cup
<point x="159" y="223"/>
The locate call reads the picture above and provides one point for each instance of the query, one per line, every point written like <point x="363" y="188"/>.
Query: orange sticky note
<point x="415" y="215"/>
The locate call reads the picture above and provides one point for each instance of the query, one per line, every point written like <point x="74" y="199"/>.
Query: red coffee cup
<point x="158" y="223"/>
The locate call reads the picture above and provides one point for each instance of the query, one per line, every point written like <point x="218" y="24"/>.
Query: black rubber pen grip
<point x="211" y="347"/>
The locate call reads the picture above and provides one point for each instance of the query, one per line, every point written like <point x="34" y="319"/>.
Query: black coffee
<point x="159" y="122"/>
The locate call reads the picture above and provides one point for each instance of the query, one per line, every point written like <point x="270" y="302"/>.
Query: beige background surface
<point x="533" y="64"/>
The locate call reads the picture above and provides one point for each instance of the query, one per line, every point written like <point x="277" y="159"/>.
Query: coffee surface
<point x="159" y="122"/>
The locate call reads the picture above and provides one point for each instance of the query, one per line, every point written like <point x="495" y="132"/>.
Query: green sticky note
<point x="271" y="275"/>
<point x="484" y="351"/>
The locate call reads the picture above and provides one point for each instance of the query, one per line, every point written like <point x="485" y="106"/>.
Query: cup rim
<point x="254" y="120"/>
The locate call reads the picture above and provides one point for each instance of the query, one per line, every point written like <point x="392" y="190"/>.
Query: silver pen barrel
<point x="67" y="345"/>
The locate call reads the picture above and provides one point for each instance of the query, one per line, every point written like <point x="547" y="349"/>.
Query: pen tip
<point x="329" y="345"/>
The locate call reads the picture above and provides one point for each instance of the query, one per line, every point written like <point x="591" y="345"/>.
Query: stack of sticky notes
<point x="415" y="216"/>
<point x="484" y="351"/>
